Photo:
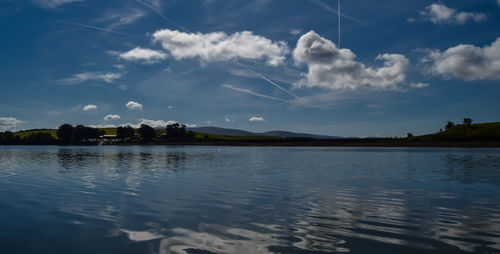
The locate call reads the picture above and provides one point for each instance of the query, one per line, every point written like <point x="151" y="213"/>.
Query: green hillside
<point x="480" y="131"/>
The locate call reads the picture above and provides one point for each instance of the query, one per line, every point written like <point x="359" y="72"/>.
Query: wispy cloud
<point x="298" y="31"/>
<point x="419" y="85"/>
<point x="109" y="77"/>
<point x="247" y="91"/>
<point x="147" y="56"/>
<point x="158" y="11"/>
<point x="122" y="18"/>
<point x="334" y="11"/>
<point x="94" y="27"/>
<point x="53" y="3"/>
<point x="274" y="84"/>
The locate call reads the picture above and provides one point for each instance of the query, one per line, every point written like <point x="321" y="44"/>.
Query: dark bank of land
<point x="462" y="135"/>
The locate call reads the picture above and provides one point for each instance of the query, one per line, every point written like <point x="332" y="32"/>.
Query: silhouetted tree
<point x="176" y="131"/>
<point x="65" y="133"/>
<point x="449" y="125"/>
<point x="467" y="121"/>
<point x="147" y="133"/>
<point x="125" y="132"/>
<point x="82" y="134"/>
<point x="409" y="135"/>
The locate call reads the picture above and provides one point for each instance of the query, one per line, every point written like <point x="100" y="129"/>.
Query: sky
<point x="399" y="66"/>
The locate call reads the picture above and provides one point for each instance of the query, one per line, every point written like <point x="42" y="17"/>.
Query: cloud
<point x="219" y="46"/>
<point x="143" y="55"/>
<point x="89" y="107"/>
<point x="8" y="123"/>
<point x="257" y="119"/>
<point x="248" y="91"/>
<point x="123" y="18"/>
<point x="467" y="62"/>
<point x="298" y="31"/>
<point x="111" y="117"/>
<point x="419" y="85"/>
<point x="109" y="77"/>
<point x="227" y="120"/>
<point x="53" y="3"/>
<point x="438" y="13"/>
<point x="498" y="2"/>
<point x="334" y="68"/>
<point x="326" y="7"/>
<point x="134" y="105"/>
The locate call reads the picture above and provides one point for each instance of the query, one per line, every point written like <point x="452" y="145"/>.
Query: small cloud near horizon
<point x="89" y="107"/>
<point x="133" y="105"/>
<point x="111" y="117"/>
<point x="257" y="119"/>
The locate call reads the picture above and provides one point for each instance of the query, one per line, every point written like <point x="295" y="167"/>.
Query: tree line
<point x="83" y="135"/>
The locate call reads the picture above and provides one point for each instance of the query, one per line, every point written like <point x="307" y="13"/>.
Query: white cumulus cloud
<point x="134" y="105"/>
<point x="219" y="46"/>
<point x="256" y="119"/>
<point x="89" y="107"/>
<point x="143" y="55"/>
<point x="109" y="77"/>
<point x="334" y="68"/>
<point x="439" y="13"/>
<point x="9" y="123"/>
<point x="467" y="62"/>
<point x="111" y="117"/>
<point x="53" y="3"/>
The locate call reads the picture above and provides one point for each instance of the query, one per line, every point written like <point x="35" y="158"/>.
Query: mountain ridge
<point x="276" y="133"/>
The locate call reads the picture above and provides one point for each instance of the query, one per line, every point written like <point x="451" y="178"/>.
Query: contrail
<point x="163" y="16"/>
<point x="243" y="90"/>
<point x="330" y="9"/>
<point x="94" y="27"/>
<point x="339" y="20"/>
<point x="267" y="79"/>
<point x="274" y="83"/>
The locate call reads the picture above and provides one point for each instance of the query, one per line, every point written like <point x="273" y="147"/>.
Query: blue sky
<point x="402" y="66"/>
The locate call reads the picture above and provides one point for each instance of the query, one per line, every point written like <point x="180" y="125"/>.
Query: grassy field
<point x="23" y="134"/>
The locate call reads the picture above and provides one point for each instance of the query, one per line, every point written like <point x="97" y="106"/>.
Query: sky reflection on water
<point x="249" y="200"/>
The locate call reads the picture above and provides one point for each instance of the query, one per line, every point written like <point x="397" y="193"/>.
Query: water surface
<point x="249" y="200"/>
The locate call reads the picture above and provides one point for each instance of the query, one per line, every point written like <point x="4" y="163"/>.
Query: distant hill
<point x="239" y="133"/>
<point x="221" y="131"/>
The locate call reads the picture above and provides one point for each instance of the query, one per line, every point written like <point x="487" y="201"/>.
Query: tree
<point x="65" y="133"/>
<point x="409" y="135"/>
<point x="176" y="131"/>
<point x="467" y="121"/>
<point x="147" y="133"/>
<point x="449" y="125"/>
<point x="82" y="134"/>
<point x="125" y="132"/>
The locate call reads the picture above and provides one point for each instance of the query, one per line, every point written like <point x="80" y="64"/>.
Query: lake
<point x="249" y="200"/>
